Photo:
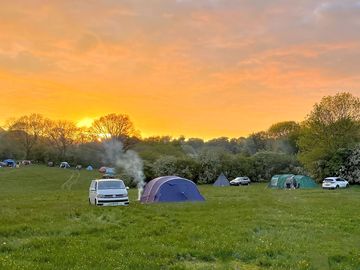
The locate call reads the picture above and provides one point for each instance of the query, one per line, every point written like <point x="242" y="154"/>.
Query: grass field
<point x="46" y="223"/>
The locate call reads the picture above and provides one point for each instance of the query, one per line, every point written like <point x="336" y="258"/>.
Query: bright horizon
<point x="205" y="68"/>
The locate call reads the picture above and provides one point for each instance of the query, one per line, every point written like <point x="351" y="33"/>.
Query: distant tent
<point x="10" y="162"/>
<point x="110" y="171"/>
<point x="297" y="181"/>
<point x="171" y="189"/>
<point x="102" y="170"/>
<point x="89" y="168"/>
<point x="222" y="181"/>
<point x="26" y="162"/>
<point x="64" y="165"/>
<point x="2" y="164"/>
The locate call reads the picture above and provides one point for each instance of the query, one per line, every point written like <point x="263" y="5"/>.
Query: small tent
<point x="295" y="181"/>
<point x="64" y="165"/>
<point x="222" y="181"/>
<point x="102" y="170"/>
<point x="171" y="189"/>
<point x="110" y="171"/>
<point x="10" y="162"/>
<point x="89" y="168"/>
<point x="26" y="162"/>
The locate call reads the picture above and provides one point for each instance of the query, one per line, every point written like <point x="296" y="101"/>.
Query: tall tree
<point x="256" y="142"/>
<point x="27" y="130"/>
<point x="116" y="126"/>
<point x="62" y="134"/>
<point x="333" y="124"/>
<point x="285" y="136"/>
<point x="283" y="129"/>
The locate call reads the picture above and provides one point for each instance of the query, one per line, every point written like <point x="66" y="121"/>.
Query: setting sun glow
<point x="86" y="122"/>
<point x="195" y="68"/>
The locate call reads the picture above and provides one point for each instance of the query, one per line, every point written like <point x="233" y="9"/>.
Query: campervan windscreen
<point x="111" y="185"/>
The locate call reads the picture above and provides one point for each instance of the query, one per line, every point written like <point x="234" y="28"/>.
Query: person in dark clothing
<point x="294" y="183"/>
<point x="288" y="183"/>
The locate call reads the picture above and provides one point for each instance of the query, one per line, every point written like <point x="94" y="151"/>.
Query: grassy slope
<point x="46" y="223"/>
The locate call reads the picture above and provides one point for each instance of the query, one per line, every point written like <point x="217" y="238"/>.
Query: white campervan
<point x="108" y="192"/>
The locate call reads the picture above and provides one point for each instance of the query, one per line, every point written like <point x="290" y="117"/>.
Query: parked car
<point x="108" y="192"/>
<point x="244" y="180"/>
<point x="334" y="182"/>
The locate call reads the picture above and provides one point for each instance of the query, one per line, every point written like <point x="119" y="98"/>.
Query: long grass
<point x="46" y="223"/>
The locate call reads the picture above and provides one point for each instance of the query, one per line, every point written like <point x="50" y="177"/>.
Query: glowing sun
<point x="86" y="122"/>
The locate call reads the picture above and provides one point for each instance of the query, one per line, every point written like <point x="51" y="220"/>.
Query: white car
<point x="240" y="181"/>
<point x="334" y="182"/>
<point x="108" y="192"/>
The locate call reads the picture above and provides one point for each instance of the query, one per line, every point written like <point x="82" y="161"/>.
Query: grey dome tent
<point x="89" y="168"/>
<point x="171" y="189"/>
<point x="64" y="165"/>
<point x="222" y="181"/>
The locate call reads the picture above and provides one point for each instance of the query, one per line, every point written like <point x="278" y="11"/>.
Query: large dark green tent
<point x="302" y="181"/>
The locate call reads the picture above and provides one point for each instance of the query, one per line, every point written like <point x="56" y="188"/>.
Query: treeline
<point x="325" y="143"/>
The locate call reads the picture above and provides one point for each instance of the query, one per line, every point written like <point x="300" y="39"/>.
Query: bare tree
<point x="62" y="134"/>
<point x="27" y="130"/>
<point x="85" y="135"/>
<point x="116" y="126"/>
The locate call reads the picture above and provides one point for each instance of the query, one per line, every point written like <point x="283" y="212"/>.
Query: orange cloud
<point x="197" y="68"/>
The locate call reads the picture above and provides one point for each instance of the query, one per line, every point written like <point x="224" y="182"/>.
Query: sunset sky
<point x="204" y="68"/>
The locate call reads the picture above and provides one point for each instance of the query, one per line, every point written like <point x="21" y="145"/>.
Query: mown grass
<point x="46" y="223"/>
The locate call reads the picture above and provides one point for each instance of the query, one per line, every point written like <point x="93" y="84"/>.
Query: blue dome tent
<point x="110" y="171"/>
<point x="10" y="162"/>
<point x="171" y="189"/>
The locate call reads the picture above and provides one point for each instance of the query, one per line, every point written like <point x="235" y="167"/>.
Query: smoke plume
<point x="128" y="160"/>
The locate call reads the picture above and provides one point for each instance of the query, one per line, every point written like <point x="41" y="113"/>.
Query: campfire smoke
<point x="128" y="160"/>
